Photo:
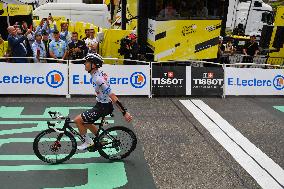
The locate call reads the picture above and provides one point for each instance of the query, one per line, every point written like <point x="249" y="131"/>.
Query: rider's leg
<point x="80" y="125"/>
<point x="83" y="131"/>
<point x="92" y="128"/>
<point x="91" y="116"/>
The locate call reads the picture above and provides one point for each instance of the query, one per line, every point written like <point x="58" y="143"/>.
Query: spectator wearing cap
<point x="250" y="49"/>
<point x="46" y="40"/>
<point x="129" y="48"/>
<point x="77" y="48"/>
<point x="38" y="48"/>
<point x="57" y="47"/>
<point x="17" y="45"/>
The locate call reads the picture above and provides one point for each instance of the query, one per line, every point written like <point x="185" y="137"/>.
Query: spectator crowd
<point x="230" y="47"/>
<point x="46" y="43"/>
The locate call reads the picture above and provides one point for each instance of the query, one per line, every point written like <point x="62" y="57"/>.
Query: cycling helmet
<point x="95" y="59"/>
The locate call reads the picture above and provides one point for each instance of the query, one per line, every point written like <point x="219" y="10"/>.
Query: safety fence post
<point x="224" y="81"/>
<point x="151" y="76"/>
<point x="68" y="74"/>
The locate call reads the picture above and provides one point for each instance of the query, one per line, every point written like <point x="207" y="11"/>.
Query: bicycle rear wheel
<point x="116" y="143"/>
<point x="53" y="147"/>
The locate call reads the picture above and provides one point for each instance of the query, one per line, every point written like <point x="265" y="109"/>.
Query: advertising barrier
<point x="124" y="79"/>
<point x="34" y="79"/>
<point x="207" y="81"/>
<point x="168" y="80"/>
<point x="181" y="80"/>
<point x="254" y="81"/>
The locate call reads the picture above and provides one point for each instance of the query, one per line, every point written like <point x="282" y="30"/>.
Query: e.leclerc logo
<point x="137" y="80"/>
<point x="277" y="82"/>
<point x="54" y="79"/>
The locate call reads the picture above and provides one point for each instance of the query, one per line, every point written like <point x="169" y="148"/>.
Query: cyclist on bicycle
<point x="105" y="98"/>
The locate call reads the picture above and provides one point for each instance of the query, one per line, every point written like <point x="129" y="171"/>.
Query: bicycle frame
<point x="67" y="126"/>
<point x="107" y="141"/>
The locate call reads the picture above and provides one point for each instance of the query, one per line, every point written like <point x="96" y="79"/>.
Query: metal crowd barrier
<point x="114" y="61"/>
<point x="235" y="59"/>
<point x="259" y="59"/>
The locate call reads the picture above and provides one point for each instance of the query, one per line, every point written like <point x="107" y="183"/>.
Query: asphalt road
<point x="175" y="149"/>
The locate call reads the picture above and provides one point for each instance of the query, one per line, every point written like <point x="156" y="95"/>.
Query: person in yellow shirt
<point x="3" y="48"/>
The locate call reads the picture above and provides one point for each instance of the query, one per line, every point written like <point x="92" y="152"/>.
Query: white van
<point x="96" y="14"/>
<point x="253" y="15"/>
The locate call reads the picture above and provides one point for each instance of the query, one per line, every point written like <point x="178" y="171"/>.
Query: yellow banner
<point x="3" y="48"/>
<point x="3" y="9"/>
<point x="132" y="12"/>
<point x="15" y="10"/>
<point x="184" y="39"/>
<point x="107" y="2"/>
<point x="111" y="44"/>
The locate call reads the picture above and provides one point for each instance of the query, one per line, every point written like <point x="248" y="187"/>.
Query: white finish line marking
<point x="263" y="169"/>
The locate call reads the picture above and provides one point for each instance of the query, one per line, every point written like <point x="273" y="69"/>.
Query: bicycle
<point x="114" y="143"/>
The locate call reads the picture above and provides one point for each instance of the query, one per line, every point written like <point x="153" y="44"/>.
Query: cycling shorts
<point x="99" y="110"/>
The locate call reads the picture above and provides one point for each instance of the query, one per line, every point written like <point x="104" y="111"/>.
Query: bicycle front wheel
<point x="53" y="147"/>
<point x="116" y="143"/>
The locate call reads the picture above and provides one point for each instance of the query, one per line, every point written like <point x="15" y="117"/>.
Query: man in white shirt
<point x="92" y="42"/>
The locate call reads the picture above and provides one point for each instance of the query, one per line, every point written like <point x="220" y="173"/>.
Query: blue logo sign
<point x="278" y="82"/>
<point x="138" y="80"/>
<point x="54" y="79"/>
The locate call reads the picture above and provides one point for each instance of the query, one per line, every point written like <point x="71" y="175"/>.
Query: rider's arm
<point x="118" y="103"/>
<point x="107" y="90"/>
<point x="126" y="114"/>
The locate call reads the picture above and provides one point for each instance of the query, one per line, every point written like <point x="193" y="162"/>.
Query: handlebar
<point x="50" y="113"/>
<point x="56" y="115"/>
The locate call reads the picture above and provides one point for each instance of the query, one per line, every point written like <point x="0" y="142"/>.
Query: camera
<point x="124" y="43"/>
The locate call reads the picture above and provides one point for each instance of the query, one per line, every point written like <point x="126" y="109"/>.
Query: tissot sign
<point x="207" y="81"/>
<point x="168" y="80"/>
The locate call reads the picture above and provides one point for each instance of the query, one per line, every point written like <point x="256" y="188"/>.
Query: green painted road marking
<point x="280" y="108"/>
<point x="100" y="175"/>
<point x="86" y="155"/>
<point x="16" y="112"/>
<point x="33" y="157"/>
<point x="40" y="125"/>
